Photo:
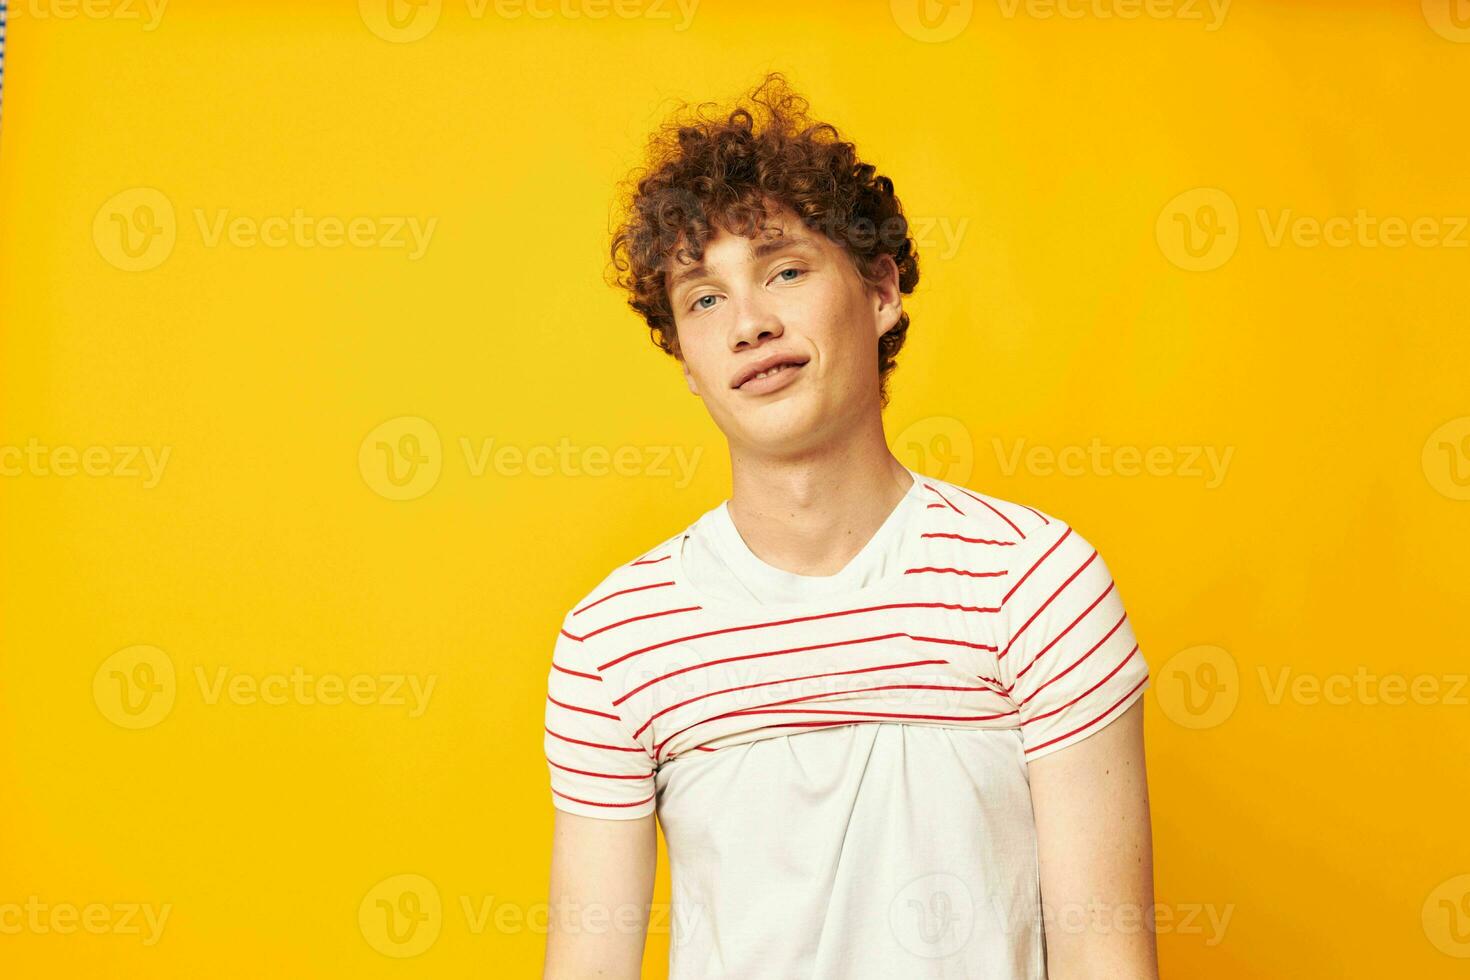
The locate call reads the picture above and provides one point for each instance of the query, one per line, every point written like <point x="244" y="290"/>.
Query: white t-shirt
<point x="839" y="762"/>
<point x="718" y="562"/>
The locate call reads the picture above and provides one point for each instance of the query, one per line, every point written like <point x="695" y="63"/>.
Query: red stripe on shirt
<point x="614" y="595"/>
<point x="996" y="685"/>
<point x="769" y="705"/>
<point x="630" y="619"/>
<point x="602" y="775"/>
<point x="1022" y="580"/>
<point x="595" y="745"/>
<point x="947" y="502"/>
<point x="981" y="500"/>
<point x="774" y="707"/>
<point x="953" y="571"/>
<point x="599" y="802"/>
<point x="876" y="714"/>
<point x="959" y="643"/>
<point x="961" y="537"/>
<point x="782" y="680"/>
<point x="1094" y="721"/>
<point x="754" y="656"/>
<point x="798" y="649"/>
<point x="859" y="714"/>
<point x="797" y="619"/>
<point x="574" y="673"/>
<point x="574" y="707"/>
<point x="818" y="698"/>
<point x="806" y="724"/>
<point x="1083" y="615"/>
<point x="1107" y="636"/>
<point x="1063" y="707"/>
<point x="1049" y="599"/>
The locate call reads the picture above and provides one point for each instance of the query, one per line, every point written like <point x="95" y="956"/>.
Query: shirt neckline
<point x="877" y="588"/>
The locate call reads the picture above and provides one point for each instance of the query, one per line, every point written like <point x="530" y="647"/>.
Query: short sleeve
<point x="1070" y="660"/>
<point x="597" y="769"/>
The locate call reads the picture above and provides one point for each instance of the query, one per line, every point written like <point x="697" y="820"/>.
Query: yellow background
<point x="1064" y="311"/>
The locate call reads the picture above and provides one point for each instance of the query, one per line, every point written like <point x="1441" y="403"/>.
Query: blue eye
<point x="696" y="305"/>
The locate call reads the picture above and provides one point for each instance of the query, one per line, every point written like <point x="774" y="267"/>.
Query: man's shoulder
<point x="645" y="571"/>
<point x="987" y="515"/>
<point x="1029" y="532"/>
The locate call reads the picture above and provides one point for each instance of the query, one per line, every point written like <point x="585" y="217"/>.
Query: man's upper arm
<point x="1072" y="666"/>
<point x="602" y="875"/>
<point x="1094" y="843"/>
<point x="604" y="841"/>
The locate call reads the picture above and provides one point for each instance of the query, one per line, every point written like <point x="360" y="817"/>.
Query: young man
<point x="891" y="726"/>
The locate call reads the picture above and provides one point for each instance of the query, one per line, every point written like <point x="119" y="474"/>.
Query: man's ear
<point x="689" y="378"/>
<point x="887" y="300"/>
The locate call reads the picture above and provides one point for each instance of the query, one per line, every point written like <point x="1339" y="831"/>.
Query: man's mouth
<point x="771" y="371"/>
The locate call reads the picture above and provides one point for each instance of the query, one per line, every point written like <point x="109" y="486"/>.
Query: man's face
<point x="789" y="295"/>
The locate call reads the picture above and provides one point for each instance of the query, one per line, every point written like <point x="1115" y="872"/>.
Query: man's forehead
<point x="777" y="234"/>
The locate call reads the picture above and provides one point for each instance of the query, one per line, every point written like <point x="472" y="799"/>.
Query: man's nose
<point x="756" y="324"/>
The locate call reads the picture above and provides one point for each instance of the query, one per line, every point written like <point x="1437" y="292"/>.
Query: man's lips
<point x="765" y="364"/>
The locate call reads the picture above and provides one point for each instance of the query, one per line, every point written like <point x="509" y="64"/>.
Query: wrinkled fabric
<point x="879" y="850"/>
<point x="858" y="851"/>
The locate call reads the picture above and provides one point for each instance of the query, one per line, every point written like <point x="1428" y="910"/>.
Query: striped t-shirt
<point x="996" y="616"/>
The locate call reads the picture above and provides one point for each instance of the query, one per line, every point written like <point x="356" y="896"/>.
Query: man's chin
<point x="775" y="424"/>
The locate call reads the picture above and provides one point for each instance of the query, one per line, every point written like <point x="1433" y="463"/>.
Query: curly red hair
<point x="730" y="171"/>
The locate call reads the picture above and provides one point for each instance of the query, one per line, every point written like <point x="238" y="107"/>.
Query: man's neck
<point x="812" y="515"/>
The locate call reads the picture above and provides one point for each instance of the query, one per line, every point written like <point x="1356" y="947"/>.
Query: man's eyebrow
<point x="759" y="251"/>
